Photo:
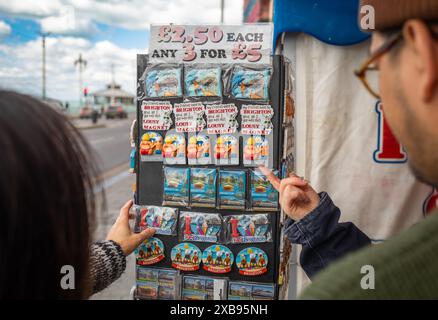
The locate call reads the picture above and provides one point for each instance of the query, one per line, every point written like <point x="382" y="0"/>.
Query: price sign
<point x="210" y="43"/>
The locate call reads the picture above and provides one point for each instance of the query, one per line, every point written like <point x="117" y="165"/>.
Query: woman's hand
<point x="122" y="234"/>
<point x="297" y="198"/>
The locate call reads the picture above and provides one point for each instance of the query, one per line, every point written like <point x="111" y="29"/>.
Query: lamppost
<point x="82" y="63"/>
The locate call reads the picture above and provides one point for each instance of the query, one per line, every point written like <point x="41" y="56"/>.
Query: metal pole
<point x="222" y="10"/>
<point x="44" y="66"/>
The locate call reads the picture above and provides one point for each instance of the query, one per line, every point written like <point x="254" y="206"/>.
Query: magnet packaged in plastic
<point x="250" y="291"/>
<point x="232" y="189"/>
<point x="174" y="148"/>
<point x="252" y="261"/>
<point x="203" y="288"/>
<point x="151" y="146"/>
<point x="202" y="81"/>
<point x="255" y="151"/>
<point x="176" y="186"/>
<point x="250" y="83"/>
<point x="203" y="187"/>
<point x="201" y="227"/>
<point x="217" y="259"/>
<point x="154" y="283"/>
<point x="248" y="228"/>
<point x="151" y="251"/>
<point x="163" y="81"/>
<point x="226" y="150"/>
<point x="263" y="195"/>
<point x="186" y="257"/>
<point x="199" y="148"/>
<point x="163" y="219"/>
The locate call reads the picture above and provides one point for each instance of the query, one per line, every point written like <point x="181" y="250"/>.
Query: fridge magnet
<point x="250" y="84"/>
<point x="232" y="189"/>
<point x="263" y="194"/>
<point x="176" y="186"/>
<point x="255" y="151"/>
<point x="157" y="283"/>
<point x="163" y="219"/>
<point x="151" y="146"/>
<point x="186" y="257"/>
<point x="199" y="149"/>
<point x="202" y="227"/>
<point x="217" y="259"/>
<point x="150" y="252"/>
<point x="250" y="291"/>
<point x="189" y="116"/>
<point x="163" y="82"/>
<point x="147" y="290"/>
<point x="203" y="288"/>
<point x="202" y="81"/>
<point x="203" y="187"/>
<point x="226" y="150"/>
<point x="252" y="262"/>
<point x="174" y="148"/>
<point x="247" y="228"/>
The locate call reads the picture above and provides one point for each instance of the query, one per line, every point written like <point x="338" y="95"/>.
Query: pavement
<point x="110" y="141"/>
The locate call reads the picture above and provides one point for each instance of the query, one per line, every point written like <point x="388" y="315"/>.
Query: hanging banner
<point x="251" y="43"/>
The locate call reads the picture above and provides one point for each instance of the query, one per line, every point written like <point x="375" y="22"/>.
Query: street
<point x="110" y="141"/>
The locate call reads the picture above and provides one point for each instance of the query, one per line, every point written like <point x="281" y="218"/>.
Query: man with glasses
<point x="402" y="71"/>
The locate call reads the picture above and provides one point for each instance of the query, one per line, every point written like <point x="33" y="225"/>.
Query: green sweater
<point x="406" y="267"/>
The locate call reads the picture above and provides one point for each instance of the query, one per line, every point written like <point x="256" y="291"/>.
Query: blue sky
<point x="104" y="32"/>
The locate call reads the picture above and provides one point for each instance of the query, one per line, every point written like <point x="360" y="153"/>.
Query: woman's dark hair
<point x="46" y="200"/>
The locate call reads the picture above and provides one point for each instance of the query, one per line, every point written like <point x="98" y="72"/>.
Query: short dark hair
<point x="46" y="200"/>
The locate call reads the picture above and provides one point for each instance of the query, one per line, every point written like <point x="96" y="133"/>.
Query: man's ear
<point x="420" y="41"/>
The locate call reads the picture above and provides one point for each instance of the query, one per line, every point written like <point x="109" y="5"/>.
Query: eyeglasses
<point x="368" y="73"/>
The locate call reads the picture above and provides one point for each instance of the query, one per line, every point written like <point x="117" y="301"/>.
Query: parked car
<point x="85" y="112"/>
<point x="113" y="112"/>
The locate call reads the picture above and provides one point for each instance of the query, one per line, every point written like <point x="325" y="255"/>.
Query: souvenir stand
<point x="211" y="109"/>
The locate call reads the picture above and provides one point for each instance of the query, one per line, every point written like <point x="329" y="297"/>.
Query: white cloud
<point x="131" y="14"/>
<point x="5" y="29"/>
<point x="20" y="66"/>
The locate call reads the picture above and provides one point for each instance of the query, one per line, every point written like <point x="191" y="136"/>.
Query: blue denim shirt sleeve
<point x="323" y="237"/>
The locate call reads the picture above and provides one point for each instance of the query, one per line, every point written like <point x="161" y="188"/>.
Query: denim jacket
<point x="323" y="238"/>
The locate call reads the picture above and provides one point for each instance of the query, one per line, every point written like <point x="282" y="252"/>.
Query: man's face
<point x="410" y="113"/>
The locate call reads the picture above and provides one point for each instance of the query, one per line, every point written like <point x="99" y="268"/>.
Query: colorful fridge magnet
<point x="232" y="189"/>
<point x="203" y="288"/>
<point x="199" y="149"/>
<point x="245" y="228"/>
<point x="217" y="259"/>
<point x="202" y="227"/>
<point x="252" y="262"/>
<point x="150" y="252"/>
<point x="163" y="219"/>
<point x="263" y="195"/>
<point x="203" y="187"/>
<point x="186" y="257"/>
<point x="176" y="186"/>
<point x="202" y="81"/>
<point x="250" y="84"/>
<point x="157" y="283"/>
<point x="250" y="291"/>
<point x="174" y="148"/>
<point x="163" y="82"/>
<point x="151" y="146"/>
<point x="226" y="150"/>
<point x="255" y="151"/>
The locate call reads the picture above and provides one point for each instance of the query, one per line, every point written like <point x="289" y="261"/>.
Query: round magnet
<point x="150" y="252"/>
<point x="186" y="257"/>
<point x="217" y="259"/>
<point x="252" y="261"/>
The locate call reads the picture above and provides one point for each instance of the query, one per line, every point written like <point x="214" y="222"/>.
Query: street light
<point x="82" y="63"/>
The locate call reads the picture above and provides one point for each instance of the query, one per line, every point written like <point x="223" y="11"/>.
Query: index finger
<point x="273" y="179"/>
<point x="124" y="211"/>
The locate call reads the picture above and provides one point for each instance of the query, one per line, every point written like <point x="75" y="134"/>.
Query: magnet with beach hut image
<point x="203" y="187"/>
<point x="186" y="257"/>
<point x="151" y="251"/>
<point x="217" y="259"/>
<point x="176" y="186"/>
<point x="252" y="261"/>
<point x="232" y="189"/>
